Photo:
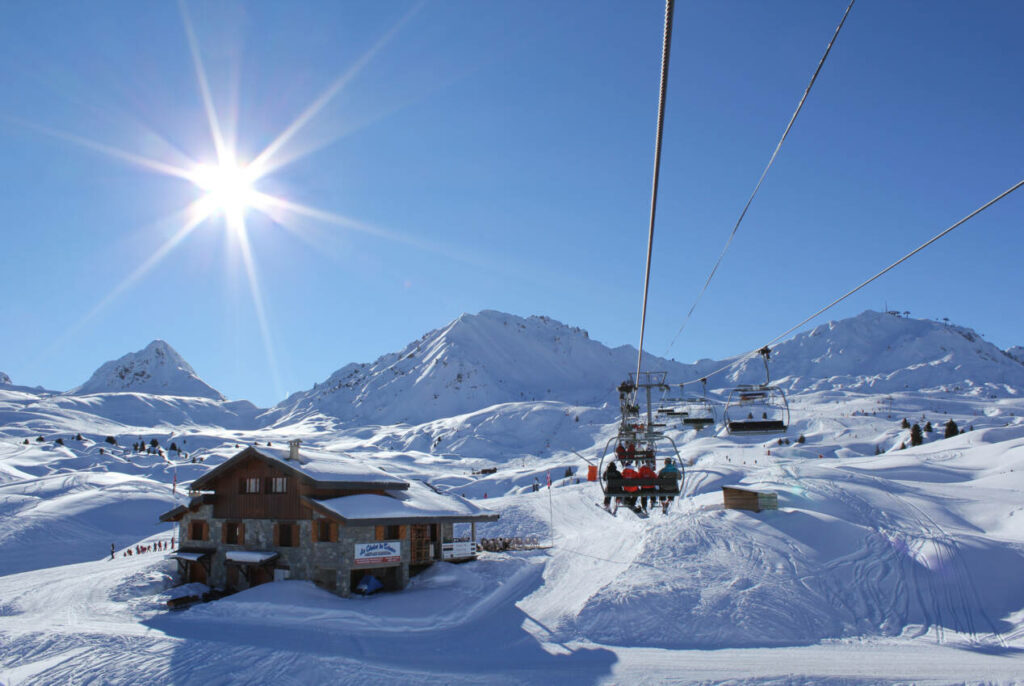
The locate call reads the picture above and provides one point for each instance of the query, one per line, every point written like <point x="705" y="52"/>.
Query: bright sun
<point x="228" y="187"/>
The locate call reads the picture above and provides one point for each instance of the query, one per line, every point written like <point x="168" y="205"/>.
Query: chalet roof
<point x="419" y="504"/>
<point x="323" y="468"/>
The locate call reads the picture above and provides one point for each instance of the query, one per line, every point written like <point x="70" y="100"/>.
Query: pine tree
<point x="154" y="443"/>
<point x="904" y="424"/>
<point x="801" y="439"/>
<point x="59" y="441"/>
<point x="26" y="442"/>
<point x="78" y="437"/>
<point x="928" y="427"/>
<point x="951" y="429"/>
<point x="916" y="437"/>
<point x="40" y="440"/>
<point x="111" y="440"/>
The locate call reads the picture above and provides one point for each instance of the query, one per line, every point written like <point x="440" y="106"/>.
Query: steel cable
<point x="850" y="292"/>
<point x="665" y="49"/>
<point x="760" y="181"/>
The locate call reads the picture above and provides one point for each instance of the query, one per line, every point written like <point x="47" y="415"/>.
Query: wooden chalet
<point x="266" y="515"/>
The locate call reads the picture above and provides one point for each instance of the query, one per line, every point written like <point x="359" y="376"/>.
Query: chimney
<point x="293" y="450"/>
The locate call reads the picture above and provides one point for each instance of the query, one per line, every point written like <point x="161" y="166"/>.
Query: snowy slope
<point x="1017" y="353"/>
<point x="881" y="353"/>
<point x="492" y="358"/>
<point x="901" y="567"/>
<point x="472" y="363"/>
<point x="156" y="369"/>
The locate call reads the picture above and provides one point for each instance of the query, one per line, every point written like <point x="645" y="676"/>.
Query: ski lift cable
<point x="665" y="50"/>
<point x="760" y="181"/>
<point x="941" y="234"/>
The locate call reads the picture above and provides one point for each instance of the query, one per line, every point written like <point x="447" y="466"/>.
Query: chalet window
<point x="250" y="484"/>
<point x="323" y="530"/>
<point x="197" y="530"/>
<point x="279" y="484"/>
<point x="388" y="533"/>
<point x="233" y="533"/>
<point x="287" y="535"/>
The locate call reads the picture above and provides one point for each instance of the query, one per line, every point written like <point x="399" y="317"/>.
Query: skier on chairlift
<point x="610" y="474"/>
<point x="629" y="473"/>
<point x="647" y="472"/>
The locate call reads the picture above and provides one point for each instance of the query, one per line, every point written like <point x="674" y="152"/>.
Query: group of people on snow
<point x="139" y="549"/>
<point x="640" y="498"/>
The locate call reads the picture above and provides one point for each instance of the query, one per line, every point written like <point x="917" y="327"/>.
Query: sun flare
<point x="228" y="187"/>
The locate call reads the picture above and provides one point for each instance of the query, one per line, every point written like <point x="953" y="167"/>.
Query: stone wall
<point x="329" y="564"/>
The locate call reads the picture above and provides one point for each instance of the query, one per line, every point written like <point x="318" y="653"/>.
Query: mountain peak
<point x="4" y="379"/>
<point x="156" y="369"/>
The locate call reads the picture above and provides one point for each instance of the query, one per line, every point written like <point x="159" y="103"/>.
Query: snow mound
<point x="157" y="369"/>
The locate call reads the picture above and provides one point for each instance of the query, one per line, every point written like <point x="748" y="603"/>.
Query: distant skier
<point x="112" y="551"/>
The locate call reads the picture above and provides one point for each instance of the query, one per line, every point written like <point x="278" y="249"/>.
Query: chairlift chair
<point x="641" y="431"/>
<point x="759" y="408"/>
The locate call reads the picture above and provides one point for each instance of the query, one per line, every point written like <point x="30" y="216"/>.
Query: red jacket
<point x="629" y="473"/>
<point x="647" y="473"/>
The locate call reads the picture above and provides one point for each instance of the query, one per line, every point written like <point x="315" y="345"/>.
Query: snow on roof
<point x="189" y="557"/>
<point x="249" y="556"/>
<point x="320" y="466"/>
<point x="418" y="502"/>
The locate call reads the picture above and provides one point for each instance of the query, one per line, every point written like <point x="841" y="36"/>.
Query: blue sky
<point x="495" y="156"/>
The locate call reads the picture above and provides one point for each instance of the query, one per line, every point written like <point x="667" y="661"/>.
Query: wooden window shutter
<point x="277" y="534"/>
<point x="224" y="532"/>
<point x="380" y="533"/>
<point x="206" y="531"/>
<point x="334" y="532"/>
<point x="401" y="532"/>
<point x="314" y="530"/>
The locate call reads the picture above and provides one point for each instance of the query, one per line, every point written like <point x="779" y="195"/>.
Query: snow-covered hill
<point x="4" y="379"/>
<point x="479" y="361"/>
<point x="900" y="565"/>
<point x="1017" y="353"/>
<point x="474" y="362"/>
<point x="881" y="353"/>
<point x="157" y="369"/>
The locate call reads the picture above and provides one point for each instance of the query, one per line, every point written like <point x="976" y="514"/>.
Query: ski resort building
<point x="266" y="515"/>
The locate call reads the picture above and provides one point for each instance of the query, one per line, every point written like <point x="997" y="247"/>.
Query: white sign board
<point x="457" y="549"/>
<point x="378" y="552"/>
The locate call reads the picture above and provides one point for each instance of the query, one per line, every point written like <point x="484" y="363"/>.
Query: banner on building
<point x="378" y="552"/>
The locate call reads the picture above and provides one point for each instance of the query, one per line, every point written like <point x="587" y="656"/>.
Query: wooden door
<point x="419" y="544"/>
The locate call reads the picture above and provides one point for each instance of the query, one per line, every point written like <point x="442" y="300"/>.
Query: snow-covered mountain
<point x="491" y="358"/>
<point x="882" y="353"/>
<point x="475" y="362"/>
<point x="1016" y="352"/>
<point x="4" y="379"/>
<point x="157" y="369"/>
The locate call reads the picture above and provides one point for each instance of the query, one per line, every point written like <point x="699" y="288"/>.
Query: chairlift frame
<point x="644" y="436"/>
<point x="763" y="395"/>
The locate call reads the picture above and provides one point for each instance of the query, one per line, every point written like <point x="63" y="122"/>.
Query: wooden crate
<point x="742" y="499"/>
